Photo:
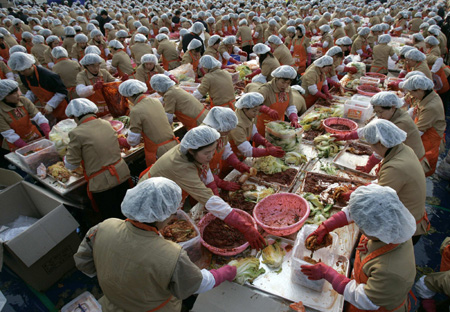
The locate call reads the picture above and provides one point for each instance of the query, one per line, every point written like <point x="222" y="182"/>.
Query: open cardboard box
<point x="44" y="252"/>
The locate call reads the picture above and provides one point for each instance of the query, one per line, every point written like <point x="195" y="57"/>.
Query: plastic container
<point x="235" y="77"/>
<point x="236" y="57"/>
<point x="279" y="205"/>
<point x="219" y="251"/>
<point x="287" y="136"/>
<point x="369" y="80"/>
<point x="377" y="76"/>
<point x="45" y="152"/>
<point x="117" y="125"/>
<point x="327" y="123"/>
<point x="360" y="100"/>
<point x="85" y="302"/>
<point x="390" y="80"/>
<point x="189" y="86"/>
<point x="367" y="90"/>
<point x="357" y="112"/>
<point x="326" y="255"/>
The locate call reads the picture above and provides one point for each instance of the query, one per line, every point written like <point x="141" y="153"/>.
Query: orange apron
<point x="187" y="121"/>
<point x="397" y="32"/>
<point x="377" y="69"/>
<point x="98" y="99"/>
<point x="2" y="75"/>
<point x="28" y="46"/>
<point x="279" y="107"/>
<point x="431" y="142"/>
<point x="250" y="42"/>
<point x="300" y="56"/>
<point x="230" y="104"/>
<point x="102" y="51"/>
<point x="150" y="147"/>
<point x="445" y="85"/>
<point x="81" y="55"/>
<point x="195" y="62"/>
<point x="311" y="99"/>
<point x="166" y="63"/>
<point x="18" y="35"/>
<point x="359" y="275"/>
<point x="44" y="96"/>
<point x="5" y="54"/>
<point x="22" y="126"/>
<point x="445" y="260"/>
<point x="216" y="164"/>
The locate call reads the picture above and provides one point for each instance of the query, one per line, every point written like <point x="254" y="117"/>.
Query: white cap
<point x="431" y="40"/>
<point x="140" y="38"/>
<point x="386" y="99"/>
<point x="81" y="38"/>
<point x="384" y="39"/>
<point x="198" y="137"/>
<point x="223" y="119"/>
<point x="132" y="87"/>
<point x="418" y="82"/>
<point x="415" y="55"/>
<point x="90" y="59"/>
<point x="324" y="61"/>
<point x="261" y="48"/>
<point x="92" y="49"/>
<point x="384" y="132"/>
<point x="149" y="58"/>
<point x="38" y="39"/>
<point x="285" y="71"/>
<point x="194" y="44"/>
<point x="6" y="87"/>
<point x="80" y="107"/>
<point x="115" y="44"/>
<point x="209" y="62"/>
<point x="250" y="100"/>
<point x="59" y="52"/>
<point x="333" y="51"/>
<point x="275" y="40"/>
<point x="20" y="61"/>
<point x="161" y="83"/>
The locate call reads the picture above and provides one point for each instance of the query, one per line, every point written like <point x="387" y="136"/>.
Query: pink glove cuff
<point x="293" y="117"/>
<point x="336" y="221"/>
<point x="20" y="143"/>
<point x="225" y="273"/>
<point x="213" y="188"/>
<point x="338" y="281"/>
<point x="352" y="136"/>
<point x="259" y="152"/>
<point x="372" y="162"/>
<point x="259" y="139"/>
<point x="234" y="161"/>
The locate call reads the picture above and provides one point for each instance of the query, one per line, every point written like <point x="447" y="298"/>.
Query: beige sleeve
<point x="391" y="51"/>
<point x="135" y="121"/>
<point x="4" y="124"/>
<point x="186" y="278"/>
<point x="426" y="120"/>
<point x="160" y="49"/>
<point x="107" y="76"/>
<point x="170" y="104"/>
<point x="439" y="282"/>
<point x="29" y="106"/>
<point x="84" y="257"/>
<point x="238" y="135"/>
<point x="186" y="59"/>
<point x="80" y="79"/>
<point x="191" y="183"/>
<point x="205" y="85"/>
<point x="389" y="177"/>
<point x="73" y="155"/>
<point x="266" y="69"/>
<point x="115" y="61"/>
<point x="140" y="75"/>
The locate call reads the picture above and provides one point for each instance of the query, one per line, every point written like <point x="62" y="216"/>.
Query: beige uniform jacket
<point x="137" y="270"/>
<point x="311" y="77"/>
<point x="381" y="54"/>
<point x="245" y="33"/>
<point x="138" y="50"/>
<point x="339" y="32"/>
<point x="252" y="87"/>
<point x="86" y="78"/>
<point x="68" y="71"/>
<point x="169" y="51"/>
<point x="260" y="30"/>
<point x="77" y="52"/>
<point x="187" y="59"/>
<point x="95" y="143"/>
<point x="421" y="45"/>
<point x="48" y="56"/>
<point x="299" y="102"/>
<point x="122" y="61"/>
<point x="10" y="41"/>
<point x="178" y="100"/>
<point x="283" y="55"/>
<point x="148" y="117"/>
<point x="244" y="129"/>
<point x="322" y="21"/>
<point x="435" y="51"/>
<point x="350" y="30"/>
<point x="391" y="275"/>
<point x="268" y="66"/>
<point x="423" y="67"/>
<point x="442" y="42"/>
<point x="269" y="91"/>
<point x="402" y="171"/>
<point x="431" y="114"/>
<point x="213" y="52"/>
<point x="328" y="38"/>
<point x="68" y="44"/>
<point x="415" y="23"/>
<point x="58" y="31"/>
<point x="144" y="75"/>
<point x="218" y="84"/>
<point x="38" y="51"/>
<point x="358" y="44"/>
<point x="102" y="45"/>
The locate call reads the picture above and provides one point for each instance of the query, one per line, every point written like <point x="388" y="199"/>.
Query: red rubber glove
<point x="256" y="72"/>
<point x="326" y="92"/>
<point x="372" y="162"/>
<point x="337" y="220"/>
<point x="123" y="143"/>
<point x="243" y="53"/>
<point x="213" y="188"/>
<point x="333" y="83"/>
<point x="232" y="60"/>
<point x="429" y="305"/>
<point x="370" y="50"/>
<point x="402" y="74"/>
<point x="246" y="228"/>
<point x="321" y="95"/>
<point x="345" y="137"/>
<point x="259" y="152"/>
<point x="20" y="143"/>
<point x="317" y="44"/>
<point x="394" y="85"/>
<point x="258" y="139"/>
<point x="172" y="77"/>
<point x="234" y="161"/>
<point x="98" y="85"/>
<point x="125" y="77"/>
<point x="225" y="185"/>
<point x="308" y="59"/>
<point x="346" y="196"/>
<point x="225" y="273"/>
<point x="294" y="120"/>
<point x="321" y="270"/>
<point x="350" y="69"/>
<point x="268" y="111"/>
<point x="364" y="55"/>
<point x="45" y="127"/>
<point x="275" y="151"/>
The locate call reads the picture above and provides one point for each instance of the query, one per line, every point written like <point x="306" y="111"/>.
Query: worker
<point x="5" y="71"/>
<point x="77" y="52"/>
<point x="381" y="53"/>
<point x="271" y="30"/>
<point x="280" y="51"/>
<point x="188" y="110"/>
<point x="258" y="31"/>
<point x="16" y="116"/>
<point x="360" y="45"/>
<point x="416" y="61"/>
<point x="253" y="86"/>
<point x="4" y="49"/>
<point x="97" y="40"/>
<point x="69" y="39"/>
<point x="400" y="24"/>
<point x="227" y="48"/>
<point x="120" y="60"/>
<point x="94" y="50"/>
<point x="140" y="48"/>
<point x="194" y="33"/>
<point x="267" y="62"/>
<point x="278" y="99"/>
<point x="122" y="37"/>
<point x="27" y="41"/>
<point x="375" y="32"/>
<point x="338" y="30"/>
<point x="429" y="116"/>
<point x="313" y="29"/>
<point x="301" y="49"/>
<point x="149" y="67"/>
<point x="168" y="52"/>
<point x="349" y="27"/>
<point x="216" y="82"/>
<point x="110" y="32"/>
<point x="210" y="23"/>
<point x="67" y="69"/>
<point x="415" y="23"/>
<point x="52" y="42"/>
<point x="247" y="110"/>
<point x="327" y="39"/>
<point x="90" y="82"/>
<point x="338" y="67"/>
<point x="435" y="31"/>
<point x="224" y="27"/>
<point x="192" y="56"/>
<point x="16" y="29"/>
<point x="147" y="121"/>
<point x="213" y="48"/>
<point x="419" y="42"/>
<point x="42" y="84"/>
<point x="244" y="34"/>
<point x="114" y="246"/>
<point x="38" y="49"/>
<point x="187" y="165"/>
<point x="9" y="40"/>
<point x="384" y="268"/>
<point x="314" y="80"/>
<point x="94" y="145"/>
<point x="437" y="67"/>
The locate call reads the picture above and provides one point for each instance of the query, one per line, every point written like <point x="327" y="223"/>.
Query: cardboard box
<point x="43" y="253"/>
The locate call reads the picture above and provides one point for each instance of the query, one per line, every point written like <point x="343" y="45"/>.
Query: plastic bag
<point x="15" y="228"/>
<point x="117" y="104"/>
<point x="60" y="135"/>
<point x="184" y="72"/>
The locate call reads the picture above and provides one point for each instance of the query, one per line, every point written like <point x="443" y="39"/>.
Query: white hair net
<point x="108" y="26"/>
<point x="161" y="83"/>
<point x="324" y="61"/>
<point x="197" y="28"/>
<point x="51" y="39"/>
<point x="364" y="31"/>
<point x="259" y="78"/>
<point x="431" y="40"/>
<point x="164" y="30"/>
<point x="223" y="119"/>
<point x="132" y="87"/>
<point x="272" y="22"/>
<point x="406" y="49"/>
<point x="152" y="200"/>
<point x="149" y="58"/>
<point x="19" y="61"/>
<point x="38" y="39"/>
<point x="17" y="48"/>
<point x="383" y="131"/>
<point x="415" y="55"/>
<point x="378" y="211"/>
<point x="344" y="41"/>
<point x="210" y="20"/>
<point x="433" y="31"/>
<point x="285" y="71"/>
<point x="213" y="39"/>
<point x="418" y="82"/>
<point x="69" y="31"/>
<point x="161" y="37"/>
<point x="291" y="29"/>
<point x="229" y="40"/>
<point x="121" y="34"/>
<point x="194" y="44"/>
<point x="140" y="38"/>
<point x="337" y="23"/>
<point x="81" y="38"/>
<point x="333" y="51"/>
<point x="424" y="25"/>
<point x="59" y="52"/>
<point x="92" y="49"/>
<point x="95" y="32"/>
<point x="298" y="88"/>
<point x="27" y="35"/>
<point x="209" y="62"/>
<point x="250" y="100"/>
<point x="413" y="73"/>
<point x="80" y="107"/>
<point x="418" y="37"/>
<point x="90" y="59"/>
<point x="384" y="39"/>
<point x="6" y="87"/>
<point x="325" y="28"/>
<point x="275" y="40"/>
<point x="386" y="99"/>
<point x="261" y="48"/>
<point x="115" y="44"/>
<point x="198" y="137"/>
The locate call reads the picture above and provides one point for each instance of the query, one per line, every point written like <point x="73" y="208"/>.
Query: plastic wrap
<point x="15" y="228"/>
<point x="33" y="154"/>
<point x="60" y="135"/>
<point x="184" y="72"/>
<point x="117" y="104"/>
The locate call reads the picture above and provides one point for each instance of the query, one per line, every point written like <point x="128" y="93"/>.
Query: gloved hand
<point x="394" y="85"/>
<point x="345" y="137"/>
<point x="232" y="60"/>
<point x="333" y="83"/>
<point x="20" y="143"/>
<point x="45" y="127"/>
<point x="234" y="161"/>
<point x="350" y="69"/>
<point x="98" y="85"/>
<point x="246" y="228"/>
<point x="123" y="143"/>
<point x="213" y="188"/>
<point x="370" y="50"/>
<point x="225" y="273"/>
<point x="275" y="151"/>
<point x="294" y="120"/>
<point x="326" y="92"/>
<point x="346" y="195"/>
<point x="364" y="55"/>
<point x="225" y="185"/>
<point x="429" y="305"/>
<point x="321" y="270"/>
<point x="243" y="53"/>
<point x="370" y="164"/>
<point x="172" y="77"/>
<point x="308" y="59"/>
<point x="259" y="152"/>
<point x="321" y="95"/>
<point x="335" y="221"/>
<point x="197" y="80"/>
<point x="256" y="72"/>
<point x="258" y="139"/>
<point x="125" y="77"/>
<point x="317" y="44"/>
<point x="48" y="109"/>
<point x="402" y="75"/>
<point x="268" y="111"/>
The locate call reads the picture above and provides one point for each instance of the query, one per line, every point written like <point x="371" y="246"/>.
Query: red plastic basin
<point x="327" y="123"/>
<point x="367" y="90"/>
<point x="376" y="75"/>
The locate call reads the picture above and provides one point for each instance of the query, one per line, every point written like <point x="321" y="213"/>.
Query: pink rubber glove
<point x="232" y="60"/>
<point x="333" y="83"/>
<point x="364" y="55"/>
<point x="246" y="228"/>
<point x="337" y="220"/>
<point x="308" y="59"/>
<point x="256" y="72"/>
<point x="350" y="69"/>
<point x="268" y="111"/>
<point x="372" y="162"/>
<point x="234" y="161"/>
<point x="98" y="85"/>
<point x="225" y="185"/>
<point x="294" y="120"/>
<point x="20" y="143"/>
<point x="258" y="139"/>
<point x="243" y="53"/>
<point x="259" y="152"/>
<point x="213" y="188"/>
<point x="402" y="75"/>
<point x="326" y="92"/>
<point x="125" y="77"/>
<point x="172" y="77"/>
<point x="346" y="196"/>
<point x="275" y="151"/>
<point x="345" y="137"/>
<point x="321" y="270"/>
<point x="394" y="85"/>
<point x="321" y="95"/>
<point x="370" y="50"/>
<point x="429" y="305"/>
<point x="225" y="273"/>
<point x="123" y="143"/>
<point x="45" y="127"/>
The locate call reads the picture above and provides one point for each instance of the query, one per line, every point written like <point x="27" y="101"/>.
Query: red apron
<point x="230" y="104"/>
<point x="98" y="99"/>
<point x="300" y="56"/>
<point x="431" y="142"/>
<point x="445" y="260"/>
<point x="187" y="121"/>
<point x="166" y="63"/>
<point x="377" y="69"/>
<point x="311" y="99"/>
<point x="443" y="77"/>
<point x="216" y="164"/>
<point x="18" y="35"/>
<point x="2" y="75"/>
<point x="5" y="54"/>
<point x="397" y="32"/>
<point x="360" y="277"/>
<point x="22" y="126"/>
<point x="28" y="46"/>
<point x="44" y="96"/>
<point x="279" y="107"/>
<point x="195" y="62"/>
